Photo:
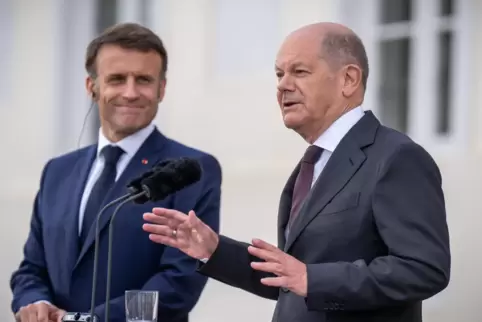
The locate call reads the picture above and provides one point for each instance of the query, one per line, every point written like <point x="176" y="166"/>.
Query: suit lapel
<point x="342" y="165"/>
<point x="150" y="152"/>
<point x="285" y="206"/>
<point x="80" y="173"/>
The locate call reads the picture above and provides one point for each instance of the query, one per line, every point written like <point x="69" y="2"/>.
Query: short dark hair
<point x="346" y="48"/>
<point x="127" y="36"/>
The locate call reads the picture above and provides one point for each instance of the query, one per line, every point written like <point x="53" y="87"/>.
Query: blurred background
<point x="425" y="80"/>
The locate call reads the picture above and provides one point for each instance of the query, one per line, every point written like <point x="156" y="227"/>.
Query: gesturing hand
<point x="290" y="272"/>
<point x="184" y="232"/>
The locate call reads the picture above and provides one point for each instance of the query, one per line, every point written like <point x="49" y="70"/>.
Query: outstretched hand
<point x="290" y="272"/>
<point x="184" y="232"/>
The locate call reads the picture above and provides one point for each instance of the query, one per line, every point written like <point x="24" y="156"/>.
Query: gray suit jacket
<point x="372" y="232"/>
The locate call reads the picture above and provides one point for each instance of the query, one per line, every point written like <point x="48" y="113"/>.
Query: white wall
<point x="206" y="79"/>
<point x="26" y="130"/>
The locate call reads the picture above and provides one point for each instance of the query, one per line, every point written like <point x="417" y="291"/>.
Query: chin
<point x="291" y="122"/>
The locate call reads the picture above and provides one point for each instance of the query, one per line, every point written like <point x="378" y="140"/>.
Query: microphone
<point x="135" y="186"/>
<point x="169" y="177"/>
<point x="135" y="190"/>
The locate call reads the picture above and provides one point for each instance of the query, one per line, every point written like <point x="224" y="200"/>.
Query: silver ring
<point x="174" y="233"/>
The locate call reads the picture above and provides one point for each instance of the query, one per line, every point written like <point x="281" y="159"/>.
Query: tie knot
<point x="112" y="154"/>
<point x="312" y="154"/>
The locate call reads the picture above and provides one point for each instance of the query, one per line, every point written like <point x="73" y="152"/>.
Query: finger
<point x="275" y="268"/>
<point x="152" y="218"/>
<point x="32" y="314"/>
<point x="266" y="255"/>
<point x="158" y="229"/>
<point x="169" y="213"/>
<point x="259" y="243"/>
<point x="280" y="281"/>
<point x="196" y="225"/>
<point x="23" y="314"/>
<point x="42" y="312"/>
<point x="165" y="240"/>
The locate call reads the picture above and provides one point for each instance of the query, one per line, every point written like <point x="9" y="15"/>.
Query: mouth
<point x="129" y="108"/>
<point x="289" y="104"/>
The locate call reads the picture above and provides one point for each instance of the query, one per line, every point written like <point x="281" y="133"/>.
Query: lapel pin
<point x="144" y="161"/>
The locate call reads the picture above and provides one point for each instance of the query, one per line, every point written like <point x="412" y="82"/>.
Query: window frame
<point x="423" y="30"/>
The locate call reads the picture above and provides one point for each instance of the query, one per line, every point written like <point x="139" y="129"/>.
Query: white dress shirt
<point x="129" y="144"/>
<point x="330" y="139"/>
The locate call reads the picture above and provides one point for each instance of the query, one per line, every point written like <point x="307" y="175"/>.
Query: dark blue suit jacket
<point x="54" y="269"/>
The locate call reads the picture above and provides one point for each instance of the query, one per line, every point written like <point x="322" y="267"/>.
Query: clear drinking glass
<point x="141" y="306"/>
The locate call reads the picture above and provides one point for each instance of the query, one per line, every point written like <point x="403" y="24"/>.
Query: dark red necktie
<point x="304" y="180"/>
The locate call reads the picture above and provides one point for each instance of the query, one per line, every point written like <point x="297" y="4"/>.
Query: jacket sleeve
<point x="178" y="283"/>
<point x="30" y="282"/>
<point x="231" y="264"/>
<point x="409" y="212"/>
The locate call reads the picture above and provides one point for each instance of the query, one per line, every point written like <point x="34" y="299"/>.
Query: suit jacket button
<point x="285" y="290"/>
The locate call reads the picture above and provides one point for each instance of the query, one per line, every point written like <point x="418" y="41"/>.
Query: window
<point x="419" y="52"/>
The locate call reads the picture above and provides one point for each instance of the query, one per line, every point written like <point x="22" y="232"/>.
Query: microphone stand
<point x="109" y="251"/>
<point x="96" y="250"/>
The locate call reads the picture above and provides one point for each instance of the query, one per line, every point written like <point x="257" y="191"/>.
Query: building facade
<point x="220" y="97"/>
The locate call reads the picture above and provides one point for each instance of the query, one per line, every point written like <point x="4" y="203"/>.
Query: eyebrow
<point x="294" y="65"/>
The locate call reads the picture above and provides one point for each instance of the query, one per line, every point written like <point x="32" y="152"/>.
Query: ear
<point x="162" y="90"/>
<point x="90" y="86"/>
<point x="352" y="79"/>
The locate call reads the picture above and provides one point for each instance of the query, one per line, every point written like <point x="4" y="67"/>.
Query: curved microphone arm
<point x="96" y="250"/>
<point x="109" y="251"/>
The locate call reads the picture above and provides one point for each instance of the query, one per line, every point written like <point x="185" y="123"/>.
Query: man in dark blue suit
<point x="126" y="68"/>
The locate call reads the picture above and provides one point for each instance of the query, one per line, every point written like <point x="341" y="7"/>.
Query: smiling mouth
<point x="129" y="107"/>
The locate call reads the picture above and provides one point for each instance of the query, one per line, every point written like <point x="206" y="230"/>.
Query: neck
<point x="312" y="133"/>
<point x="114" y="136"/>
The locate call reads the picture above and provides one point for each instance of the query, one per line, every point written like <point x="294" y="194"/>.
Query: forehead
<point x="299" y="50"/>
<point x="115" y="59"/>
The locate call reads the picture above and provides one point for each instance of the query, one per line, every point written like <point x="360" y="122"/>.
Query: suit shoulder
<point x="69" y="157"/>
<point x="394" y="142"/>
<point x="179" y="149"/>
<point x="398" y="147"/>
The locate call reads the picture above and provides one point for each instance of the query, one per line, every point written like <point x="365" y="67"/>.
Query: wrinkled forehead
<point x="298" y="51"/>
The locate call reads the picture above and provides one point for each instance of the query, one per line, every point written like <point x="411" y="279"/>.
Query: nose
<point x="286" y="83"/>
<point x="130" y="91"/>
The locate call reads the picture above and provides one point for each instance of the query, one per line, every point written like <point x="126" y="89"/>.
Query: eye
<point x="279" y="74"/>
<point x="144" y="79"/>
<point x="300" y="72"/>
<point x="116" y="79"/>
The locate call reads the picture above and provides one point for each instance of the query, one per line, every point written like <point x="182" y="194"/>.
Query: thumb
<point x="193" y="219"/>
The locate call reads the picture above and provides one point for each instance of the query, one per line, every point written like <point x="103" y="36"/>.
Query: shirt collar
<point x="129" y="144"/>
<point x="330" y="139"/>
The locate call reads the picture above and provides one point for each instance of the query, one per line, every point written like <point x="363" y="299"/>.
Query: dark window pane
<point x="144" y="17"/>
<point x="394" y="83"/>
<point x="443" y="86"/>
<point x="395" y="10"/>
<point x="106" y="17"/>
<point x="446" y="7"/>
<point x="106" y="14"/>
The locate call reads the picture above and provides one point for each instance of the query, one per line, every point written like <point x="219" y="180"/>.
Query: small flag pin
<point x="144" y="161"/>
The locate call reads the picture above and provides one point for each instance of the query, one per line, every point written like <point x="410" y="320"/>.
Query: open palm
<point x="184" y="232"/>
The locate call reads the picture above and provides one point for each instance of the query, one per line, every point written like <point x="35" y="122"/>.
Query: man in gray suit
<point x="362" y="225"/>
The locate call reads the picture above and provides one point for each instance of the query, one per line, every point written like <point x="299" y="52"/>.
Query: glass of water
<point x="141" y="306"/>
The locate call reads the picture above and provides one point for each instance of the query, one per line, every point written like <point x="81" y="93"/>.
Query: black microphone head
<point x="174" y="176"/>
<point x="135" y="186"/>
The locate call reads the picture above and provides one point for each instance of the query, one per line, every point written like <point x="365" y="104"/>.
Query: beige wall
<point x="252" y="161"/>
